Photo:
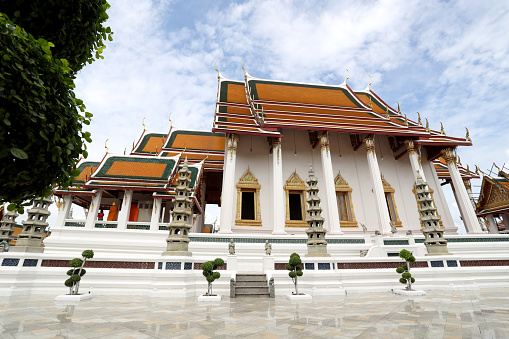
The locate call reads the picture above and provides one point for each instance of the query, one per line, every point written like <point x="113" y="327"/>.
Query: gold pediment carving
<point x="341" y="184"/>
<point x="295" y="183"/>
<point x="248" y="180"/>
<point x="387" y="186"/>
<point x="498" y="197"/>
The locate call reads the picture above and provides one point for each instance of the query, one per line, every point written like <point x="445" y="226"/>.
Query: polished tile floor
<point x="440" y="314"/>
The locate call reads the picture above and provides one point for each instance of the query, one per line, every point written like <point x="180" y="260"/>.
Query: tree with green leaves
<point x="294" y="266"/>
<point x="208" y="272"/>
<point x="43" y="43"/>
<point x="77" y="271"/>
<point x="406" y="277"/>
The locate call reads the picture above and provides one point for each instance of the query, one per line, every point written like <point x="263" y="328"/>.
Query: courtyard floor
<point x="440" y="314"/>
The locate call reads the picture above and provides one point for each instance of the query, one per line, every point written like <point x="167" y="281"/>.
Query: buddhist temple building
<point x="493" y="203"/>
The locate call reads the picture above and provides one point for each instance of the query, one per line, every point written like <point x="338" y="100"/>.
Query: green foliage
<point x="70" y="272"/>
<point x="404" y="254"/>
<point x="216" y="275"/>
<point x="89" y="254"/>
<point x="75" y="278"/>
<point x="411" y="259"/>
<point x="400" y="269"/>
<point x="75" y="27"/>
<point x="68" y="282"/>
<point x="295" y="259"/>
<point x="210" y="278"/>
<point x="41" y="135"/>
<point x="412" y="280"/>
<point x="76" y="262"/>
<point x="218" y="262"/>
<point x="292" y="274"/>
<point x="289" y="267"/>
<point x="207" y="266"/>
<point x="299" y="273"/>
<point x="406" y="275"/>
<point x="83" y="272"/>
<point x="402" y="280"/>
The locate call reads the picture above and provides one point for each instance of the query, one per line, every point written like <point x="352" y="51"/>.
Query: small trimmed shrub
<point x="75" y="273"/>
<point x="209" y="274"/>
<point x="294" y="266"/>
<point x="406" y="277"/>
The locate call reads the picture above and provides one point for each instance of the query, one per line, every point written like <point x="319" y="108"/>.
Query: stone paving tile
<point x="440" y="314"/>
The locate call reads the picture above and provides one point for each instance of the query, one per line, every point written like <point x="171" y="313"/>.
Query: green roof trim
<point x="145" y="140"/>
<point x="170" y="164"/>
<point x="81" y="167"/>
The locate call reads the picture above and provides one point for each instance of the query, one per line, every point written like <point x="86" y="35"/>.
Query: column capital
<point x="448" y="155"/>
<point x="467" y="184"/>
<point x="369" y="143"/>
<point x="274" y="142"/>
<point x="324" y="141"/>
<point x="410" y="146"/>
<point x="232" y="140"/>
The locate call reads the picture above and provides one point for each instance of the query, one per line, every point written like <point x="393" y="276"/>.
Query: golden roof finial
<point x="185" y="147"/>
<point x="218" y="73"/>
<point x="347" y="76"/>
<point x="144" y="126"/>
<point x="419" y="119"/>
<point x="476" y="169"/>
<point x="442" y="128"/>
<point x="468" y="169"/>
<point x="399" y="109"/>
<point x="105" y="146"/>
<point x="468" y="135"/>
<point x="459" y="160"/>
<point x="496" y="165"/>
<point x="206" y="157"/>
<point x="157" y="149"/>
<point x="125" y="149"/>
<point x="133" y="144"/>
<point x="427" y="126"/>
<point x="245" y="72"/>
<point x="406" y="121"/>
<point x="387" y="112"/>
<point x="171" y="122"/>
<point x="370" y="104"/>
<point x="369" y="80"/>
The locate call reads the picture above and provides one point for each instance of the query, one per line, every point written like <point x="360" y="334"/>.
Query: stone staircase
<point x="252" y="285"/>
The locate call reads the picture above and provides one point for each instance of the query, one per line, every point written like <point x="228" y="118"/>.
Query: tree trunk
<point x="409" y="281"/>
<point x="296" y="288"/>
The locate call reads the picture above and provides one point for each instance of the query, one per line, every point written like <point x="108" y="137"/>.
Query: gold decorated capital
<point x="369" y="144"/>
<point x="324" y="141"/>
<point x="232" y="142"/>
<point x="410" y="146"/>
<point x="448" y="155"/>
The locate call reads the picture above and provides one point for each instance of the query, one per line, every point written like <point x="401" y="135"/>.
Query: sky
<point x="447" y="60"/>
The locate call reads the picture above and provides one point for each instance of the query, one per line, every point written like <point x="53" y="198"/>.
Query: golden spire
<point x="347" y="76"/>
<point x="369" y="81"/>
<point x="442" y="128"/>
<point x="157" y="149"/>
<point x="387" y="112"/>
<point x="419" y="121"/>
<point x="185" y="147"/>
<point x="218" y="73"/>
<point x="171" y="122"/>
<point x="206" y="157"/>
<point x="125" y="149"/>
<point x="144" y="126"/>
<point x="476" y="169"/>
<point x="133" y="144"/>
<point x="406" y="121"/>
<point x="399" y="109"/>
<point x="245" y="72"/>
<point x="427" y="126"/>
<point x="468" y="135"/>
<point x="459" y="160"/>
<point x="468" y="169"/>
<point x="105" y="146"/>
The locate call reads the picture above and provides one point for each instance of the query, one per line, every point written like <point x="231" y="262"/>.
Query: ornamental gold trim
<point x="295" y="184"/>
<point x="393" y="214"/>
<point x="248" y="183"/>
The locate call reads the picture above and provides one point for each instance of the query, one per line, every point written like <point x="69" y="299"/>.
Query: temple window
<point x="344" y="201"/>
<point x="295" y="190"/>
<point x="248" y="201"/>
<point x="391" y="203"/>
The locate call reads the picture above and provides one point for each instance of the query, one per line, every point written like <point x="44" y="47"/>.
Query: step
<point x="251" y="277"/>
<point x="266" y="295"/>
<point x="251" y="284"/>
<point x="251" y="290"/>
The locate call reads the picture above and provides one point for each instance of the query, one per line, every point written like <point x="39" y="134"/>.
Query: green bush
<point x="406" y="277"/>
<point x="78" y="271"/>
<point x="208" y="268"/>
<point x="89" y="254"/>
<point x="294" y="266"/>
<point x="76" y="262"/>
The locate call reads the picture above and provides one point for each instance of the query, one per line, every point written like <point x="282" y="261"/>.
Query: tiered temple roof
<point x="494" y="195"/>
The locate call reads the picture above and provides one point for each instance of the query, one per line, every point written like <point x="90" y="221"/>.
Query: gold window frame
<point x="393" y="212"/>
<point x="248" y="183"/>
<point x="295" y="184"/>
<point x="342" y="187"/>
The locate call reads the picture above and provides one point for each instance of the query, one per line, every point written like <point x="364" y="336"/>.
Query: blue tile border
<point x="309" y="266"/>
<point x="30" y="262"/>
<point x="188" y="266"/>
<point x="437" y="263"/>
<point x="173" y="265"/>
<point x="323" y="266"/>
<point x="10" y="262"/>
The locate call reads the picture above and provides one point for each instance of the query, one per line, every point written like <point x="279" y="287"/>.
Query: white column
<point x="123" y="214"/>
<point x="333" y="224"/>
<point x="278" y="192"/>
<point x="414" y="159"/>
<point x="384" y="220"/>
<point x="94" y="209"/>
<point x="505" y="219"/>
<point x="156" y="213"/>
<point x="228" y="194"/>
<point x="63" y="211"/>
<point x="464" y="203"/>
<point x="492" y="225"/>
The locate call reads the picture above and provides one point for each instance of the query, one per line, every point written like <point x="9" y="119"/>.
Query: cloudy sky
<point x="446" y="59"/>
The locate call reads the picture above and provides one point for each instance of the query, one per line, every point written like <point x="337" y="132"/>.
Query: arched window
<point x="391" y="203"/>
<point x="248" y="201"/>
<point x="295" y="189"/>
<point x="344" y="200"/>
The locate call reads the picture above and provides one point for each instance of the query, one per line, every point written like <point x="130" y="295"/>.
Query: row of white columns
<point x="228" y="196"/>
